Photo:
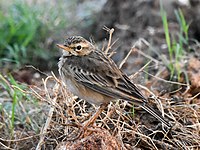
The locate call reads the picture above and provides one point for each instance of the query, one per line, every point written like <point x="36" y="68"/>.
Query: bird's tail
<point x="155" y="114"/>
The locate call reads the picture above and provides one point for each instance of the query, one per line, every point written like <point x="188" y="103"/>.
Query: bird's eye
<point x="79" y="47"/>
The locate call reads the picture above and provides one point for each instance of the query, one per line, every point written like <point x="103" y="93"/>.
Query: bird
<point x="92" y="75"/>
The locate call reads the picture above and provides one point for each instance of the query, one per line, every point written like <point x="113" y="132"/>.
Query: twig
<point x="191" y="98"/>
<point x="10" y="86"/>
<point x="135" y="74"/>
<point x="6" y="147"/>
<point x="23" y="139"/>
<point x="147" y="56"/>
<point x="31" y="66"/>
<point x="172" y="82"/>
<point x="125" y="59"/>
<point x="155" y="98"/>
<point x="113" y="52"/>
<point x="147" y="137"/>
<point x="44" y="129"/>
<point x="110" y="38"/>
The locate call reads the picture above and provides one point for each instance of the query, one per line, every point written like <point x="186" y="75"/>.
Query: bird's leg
<point x="90" y="121"/>
<point x="95" y="116"/>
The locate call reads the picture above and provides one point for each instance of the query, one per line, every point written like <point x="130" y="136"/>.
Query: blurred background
<point x="30" y="29"/>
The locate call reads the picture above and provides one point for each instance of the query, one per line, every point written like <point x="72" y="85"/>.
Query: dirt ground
<point x="55" y="120"/>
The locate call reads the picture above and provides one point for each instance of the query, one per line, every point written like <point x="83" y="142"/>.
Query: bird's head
<point x="77" y="45"/>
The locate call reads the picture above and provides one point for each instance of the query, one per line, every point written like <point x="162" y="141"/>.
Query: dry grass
<point x="117" y="124"/>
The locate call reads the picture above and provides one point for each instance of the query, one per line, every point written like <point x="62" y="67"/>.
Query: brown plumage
<point x="91" y="75"/>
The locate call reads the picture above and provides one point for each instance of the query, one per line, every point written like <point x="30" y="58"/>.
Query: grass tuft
<point x="25" y="30"/>
<point x="175" y="47"/>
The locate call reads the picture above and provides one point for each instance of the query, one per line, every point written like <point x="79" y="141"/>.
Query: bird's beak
<point x="64" y="47"/>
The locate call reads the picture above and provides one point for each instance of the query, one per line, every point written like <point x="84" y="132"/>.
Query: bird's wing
<point x="102" y="75"/>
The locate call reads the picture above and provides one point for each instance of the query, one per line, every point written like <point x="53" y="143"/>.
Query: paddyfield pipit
<point x="93" y="76"/>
